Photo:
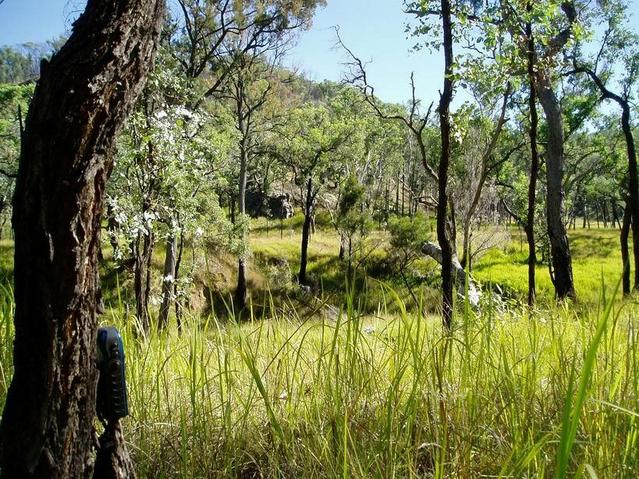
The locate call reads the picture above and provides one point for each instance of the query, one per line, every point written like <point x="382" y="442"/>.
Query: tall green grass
<point x="546" y="393"/>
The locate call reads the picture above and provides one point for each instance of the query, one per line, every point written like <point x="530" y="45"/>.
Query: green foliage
<point x="407" y="234"/>
<point x="352" y="216"/>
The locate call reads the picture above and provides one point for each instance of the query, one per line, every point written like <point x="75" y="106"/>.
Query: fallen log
<point x="434" y="251"/>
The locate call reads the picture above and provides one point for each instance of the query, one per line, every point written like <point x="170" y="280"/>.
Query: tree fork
<point x="83" y="98"/>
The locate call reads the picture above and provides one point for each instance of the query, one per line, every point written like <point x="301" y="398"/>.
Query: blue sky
<point x="373" y="29"/>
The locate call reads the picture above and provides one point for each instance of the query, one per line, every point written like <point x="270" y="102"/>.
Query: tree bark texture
<point x="559" y="246"/>
<point x="83" y="97"/>
<point x="534" y="162"/>
<point x="442" y="206"/>
<point x="142" y="277"/>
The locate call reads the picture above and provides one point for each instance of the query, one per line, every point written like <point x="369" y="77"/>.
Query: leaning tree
<point x="84" y="95"/>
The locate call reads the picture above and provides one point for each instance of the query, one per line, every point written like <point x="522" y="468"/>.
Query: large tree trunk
<point x="534" y="163"/>
<point x="633" y="184"/>
<point x="632" y="202"/>
<point x="81" y="102"/>
<point x="559" y="246"/>
<point x="306" y="230"/>
<point x="442" y="206"/>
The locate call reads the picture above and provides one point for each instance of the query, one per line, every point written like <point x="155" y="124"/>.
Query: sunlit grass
<point x="387" y="397"/>
<point x="596" y="255"/>
<point x="384" y="396"/>
<point x="510" y="393"/>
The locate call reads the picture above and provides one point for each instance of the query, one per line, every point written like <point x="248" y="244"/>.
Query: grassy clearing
<point x="595" y="253"/>
<point x="510" y="393"/>
<point x="366" y="396"/>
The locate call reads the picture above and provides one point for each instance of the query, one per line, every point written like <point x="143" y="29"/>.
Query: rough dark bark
<point x="83" y="97"/>
<point x="442" y="206"/>
<point x="168" y="279"/>
<point x="534" y="162"/>
<point x="109" y="463"/>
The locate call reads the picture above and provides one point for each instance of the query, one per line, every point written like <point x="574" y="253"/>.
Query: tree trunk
<point x="176" y="292"/>
<point x="459" y="274"/>
<point x="559" y="245"/>
<point x="585" y="218"/>
<point x="403" y="194"/>
<point x="241" y="289"/>
<point x="397" y="195"/>
<point x="142" y="277"/>
<point x="112" y="230"/>
<point x="534" y="163"/>
<point x="442" y="206"/>
<point x="83" y="97"/>
<point x="633" y="176"/>
<point x="625" y="256"/>
<point x="633" y="184"/>
<point x="168" y="279"/>
<point x="615" y="215"/>
<point x="306" y="230"/>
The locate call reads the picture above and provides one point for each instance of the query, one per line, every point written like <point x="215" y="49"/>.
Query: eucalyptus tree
<point x="220" y="46"/>
<point x="48" y="425"/>
<point x="168" y="166"/>
<point x="436" y="21"/>
<point x="210" y="37"/>
<point x="616" y="61"/>
<point x="353" y="221"/>
<point x="482" y="149"/>
<point x="249" y="93"/>
<point x="310" y="144"/>
<point x="557" y="29"/>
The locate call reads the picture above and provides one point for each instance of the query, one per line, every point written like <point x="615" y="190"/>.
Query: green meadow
<point x="373" y="387"/>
